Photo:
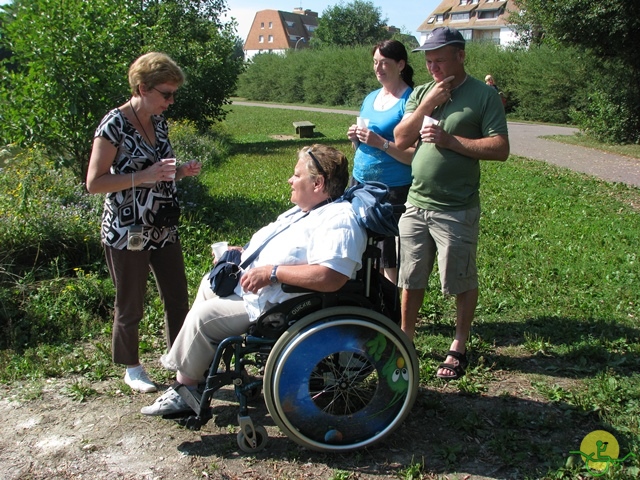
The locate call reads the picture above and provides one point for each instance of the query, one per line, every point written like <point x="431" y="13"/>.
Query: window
<point x="440" y="18"/>
<point x="467" y="35"/>
<point x="270" y="24"/>
<point x="261" y="39"/>
<point x="262" y="25"/>
<point x="460" y="17"/>
<point x="488" y="15"/>
<point x="310" y="28"/>
<point x="290" y="24"/>
<point x="270" y="38"/>
<point x="431" y="19"/>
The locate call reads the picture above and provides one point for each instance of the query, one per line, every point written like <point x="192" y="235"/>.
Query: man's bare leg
<point x="410" y="306"/>
<point x="465" y="310"/>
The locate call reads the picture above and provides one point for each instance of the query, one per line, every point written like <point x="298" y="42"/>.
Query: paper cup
<point x="170" y="161"/>
<point x="219" y="248"/>
<point x="429" y="121"/>
<point x="362" y="122"/>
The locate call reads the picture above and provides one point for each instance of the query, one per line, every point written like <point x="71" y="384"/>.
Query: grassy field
<point x="555" y="346"/>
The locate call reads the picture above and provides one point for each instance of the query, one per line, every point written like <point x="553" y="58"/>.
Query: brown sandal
<point x="458" y="368"/>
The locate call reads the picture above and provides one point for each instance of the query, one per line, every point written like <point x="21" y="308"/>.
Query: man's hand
<point x="439" y="94"/>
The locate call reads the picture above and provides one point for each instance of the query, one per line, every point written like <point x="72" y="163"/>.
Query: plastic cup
<point x="218" y="248"/>
<point x="429" y="121"/>
<point x="362" y="122"/>
<point x="170" y="161"/>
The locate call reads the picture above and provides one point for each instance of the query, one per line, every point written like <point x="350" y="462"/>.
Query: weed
<point x="80" y="391"/>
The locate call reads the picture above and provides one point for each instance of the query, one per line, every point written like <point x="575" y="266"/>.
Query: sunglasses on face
<point x="166" y="95"/>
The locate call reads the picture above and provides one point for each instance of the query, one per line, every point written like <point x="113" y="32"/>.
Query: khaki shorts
<point x="452" y="236"/>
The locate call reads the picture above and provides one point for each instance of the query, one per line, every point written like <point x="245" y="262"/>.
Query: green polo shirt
<point x="444" y="180"/>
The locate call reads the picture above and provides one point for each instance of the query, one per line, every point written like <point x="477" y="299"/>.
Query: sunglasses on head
<point x="166" y="95"/>
<point x="317" y="164"/>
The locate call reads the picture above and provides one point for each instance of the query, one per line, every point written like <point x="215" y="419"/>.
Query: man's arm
<point x="487" y="148"/>
<point x="311" y="277"/>
<point x="407" y="132"/>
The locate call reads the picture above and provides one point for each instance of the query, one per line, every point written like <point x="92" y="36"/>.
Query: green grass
<point x="555" y="346"/>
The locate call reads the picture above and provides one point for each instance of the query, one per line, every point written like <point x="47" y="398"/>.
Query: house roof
<point x="453" y="6"/>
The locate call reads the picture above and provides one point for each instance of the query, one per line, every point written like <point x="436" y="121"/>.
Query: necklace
<point x="389" y="98"/>
<point x="147" y="137"/>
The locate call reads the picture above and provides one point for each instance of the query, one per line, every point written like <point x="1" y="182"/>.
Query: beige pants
<point x="210" y="320"/>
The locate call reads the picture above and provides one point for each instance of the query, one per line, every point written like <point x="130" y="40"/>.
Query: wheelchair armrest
<point x="352" y="286"/>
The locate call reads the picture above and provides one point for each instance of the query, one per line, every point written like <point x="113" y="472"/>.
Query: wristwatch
<point x="273" y="278"/>
<point x="385" y="145"/>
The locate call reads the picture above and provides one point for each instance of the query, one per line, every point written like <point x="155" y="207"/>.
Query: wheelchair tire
<point x="261" y="440"/>
<point x="341" y="379"/>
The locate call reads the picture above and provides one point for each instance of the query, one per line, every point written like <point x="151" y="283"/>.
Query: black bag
<point x="168" y="216"/>
<point x="226" y="273"/>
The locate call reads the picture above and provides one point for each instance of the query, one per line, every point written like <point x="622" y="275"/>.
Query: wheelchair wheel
<point x="340" y="379"/>
<point x="247" y="446"/>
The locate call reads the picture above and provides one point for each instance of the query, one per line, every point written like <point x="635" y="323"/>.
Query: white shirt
<point x="329" y="235"/>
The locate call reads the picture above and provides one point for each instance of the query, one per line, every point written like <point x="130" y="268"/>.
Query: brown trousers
<point x="130" y="271"/>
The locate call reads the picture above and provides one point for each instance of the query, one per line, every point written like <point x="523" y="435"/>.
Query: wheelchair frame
<point x="337" y="374"/>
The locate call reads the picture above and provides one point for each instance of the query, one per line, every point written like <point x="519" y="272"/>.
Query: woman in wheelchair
<point x="338" y="374"/>
<point x="319" y="247"/>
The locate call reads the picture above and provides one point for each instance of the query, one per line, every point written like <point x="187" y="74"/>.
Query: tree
<point x="71" y="59"/>
<point x="357" y="23"/>
<point x="611" y="30"/>
<point x="192" y="34"/>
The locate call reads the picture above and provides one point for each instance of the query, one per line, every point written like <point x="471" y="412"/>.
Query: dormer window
<point x="460" y="17"/>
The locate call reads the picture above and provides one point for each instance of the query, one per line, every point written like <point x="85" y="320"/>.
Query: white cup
<point x="429" y="121"/>
<point x="219" y="248"/>
<point x="170" y="161"/>
<point x="362" y="122"/>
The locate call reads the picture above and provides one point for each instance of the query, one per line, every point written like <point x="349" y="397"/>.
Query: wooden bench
<point x="304" y="129"/>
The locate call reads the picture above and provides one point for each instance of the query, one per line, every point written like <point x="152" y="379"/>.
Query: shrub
<point x="611" y="113"/>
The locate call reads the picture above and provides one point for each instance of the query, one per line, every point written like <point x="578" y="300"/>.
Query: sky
<point x="407" y="15"/>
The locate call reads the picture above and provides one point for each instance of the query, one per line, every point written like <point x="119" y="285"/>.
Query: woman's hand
<point x="189" y="169"/>
<point x="255" y="278"/>
<point x="369" y="137"/>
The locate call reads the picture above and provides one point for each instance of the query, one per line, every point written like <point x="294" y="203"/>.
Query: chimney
<point x="302" y="11"/>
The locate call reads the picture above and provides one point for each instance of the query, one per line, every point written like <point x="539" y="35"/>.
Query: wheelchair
<point x="337" y="373"/>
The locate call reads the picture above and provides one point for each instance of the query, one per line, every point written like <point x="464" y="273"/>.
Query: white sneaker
<point x="169" y="402"/>
<point x="139" y="381"/>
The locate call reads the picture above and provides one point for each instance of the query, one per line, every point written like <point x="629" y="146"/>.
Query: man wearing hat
<point x="456" y="121"/>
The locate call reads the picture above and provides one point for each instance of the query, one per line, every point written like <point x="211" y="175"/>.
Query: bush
<point x="46" y="218"/>
<point x="611" y="113"/>
<point x="329" y="76"/>
<point x="49" y="236"/>
<point x="54" y="284"/>
<point x="550" y="82"/>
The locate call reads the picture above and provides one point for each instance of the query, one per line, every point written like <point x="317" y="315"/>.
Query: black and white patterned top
<point x="135" y="154"/>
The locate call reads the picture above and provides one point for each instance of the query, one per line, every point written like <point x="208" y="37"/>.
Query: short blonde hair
<point x="154" y="68"/>
<point x="487" y="78"/>
<point x="334" y="164"/>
